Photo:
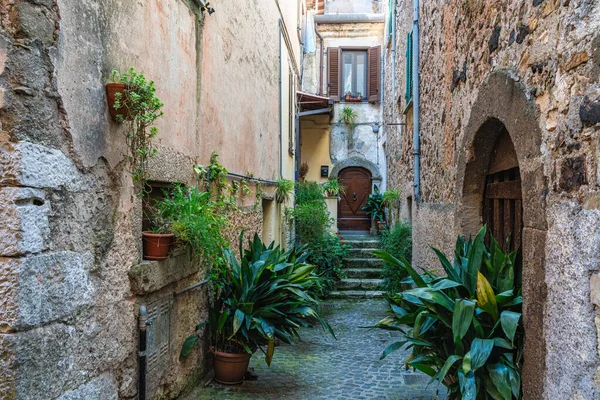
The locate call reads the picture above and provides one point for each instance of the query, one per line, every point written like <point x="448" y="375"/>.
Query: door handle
<point x="354" y="196"/>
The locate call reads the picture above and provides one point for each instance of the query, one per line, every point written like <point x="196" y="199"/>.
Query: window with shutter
<point x="333" y="73"/>
<point x="408" y="95"/>
<point x="374" y="73"/>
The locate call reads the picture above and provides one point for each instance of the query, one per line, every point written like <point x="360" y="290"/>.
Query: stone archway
<point x="502" y="101"/>
<point x="358" y="162"/>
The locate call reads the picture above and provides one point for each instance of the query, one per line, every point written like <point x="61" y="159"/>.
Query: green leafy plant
<point x="143" y="108"/>
<point x="375" y="207"/>
<point x="264" y="296"/>
<point x="463" y="328"/>
<point x="309" y="191"/>
<point x="396" y="241"/>
<point x="349" y="117"/>
<point x="333" y="187"/>
<point x="284" y="190"/>
<point x="194" y="217"/>
<point x="391" y="197"/>
<point x="327" y="253"/>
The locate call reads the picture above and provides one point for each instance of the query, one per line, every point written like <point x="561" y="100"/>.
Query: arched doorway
<point x="351" y="217"/>
<point x="504" y="116"/>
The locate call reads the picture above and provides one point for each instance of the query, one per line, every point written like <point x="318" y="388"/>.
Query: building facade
<point x="340" y="139"/>
<point x="72" y="280"/>
<point x="508" y="135"/>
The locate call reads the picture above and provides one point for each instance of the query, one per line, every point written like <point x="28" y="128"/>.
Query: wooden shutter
<point x="333" y="73"/>
<point x="374" y="73"/>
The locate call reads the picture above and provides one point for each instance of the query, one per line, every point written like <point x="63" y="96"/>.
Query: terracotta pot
<point x="156" y="245"/>
<point x="380" y="225"/>
<point x="230" y="368"/>
<point x="111" y="90"/>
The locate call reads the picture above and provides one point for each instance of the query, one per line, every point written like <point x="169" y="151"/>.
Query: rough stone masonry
<point x="535" y="67"/>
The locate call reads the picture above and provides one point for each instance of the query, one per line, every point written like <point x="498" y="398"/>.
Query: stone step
<point x="362" y="262"/>
<point x="362" y="273"/>
<point x="358" y="238"/>
<point x="362" y="253"/>
<point x="362" y="244"/>
<point x="356" y="294"/>
<point x="359" y="284"/>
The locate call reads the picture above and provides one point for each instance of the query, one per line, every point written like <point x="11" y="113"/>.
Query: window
<point x="408" y="95"/>
<point x="354" y="73"/>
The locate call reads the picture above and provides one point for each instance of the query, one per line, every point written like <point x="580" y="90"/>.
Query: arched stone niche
<point x="502" y="102"/>
<point x="358" y="162"/>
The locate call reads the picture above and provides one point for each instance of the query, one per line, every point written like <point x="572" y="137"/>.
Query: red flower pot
<point x="156" y="245"/>
<point x="111" y="90"/>
<point x="230" y="368"/>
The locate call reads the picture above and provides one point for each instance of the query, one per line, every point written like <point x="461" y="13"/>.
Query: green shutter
<point x="408" y="95"/>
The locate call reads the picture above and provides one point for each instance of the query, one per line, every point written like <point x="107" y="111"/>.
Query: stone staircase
<point x="362" y="269"/>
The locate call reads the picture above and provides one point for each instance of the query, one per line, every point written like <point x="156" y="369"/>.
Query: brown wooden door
<point x="502" y="204"/>
<point x="358" y="188"/>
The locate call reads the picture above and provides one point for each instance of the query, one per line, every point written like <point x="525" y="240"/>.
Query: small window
<point x="354" y="78"/>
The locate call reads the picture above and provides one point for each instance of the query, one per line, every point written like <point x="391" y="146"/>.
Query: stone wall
<point x="71" y="275"/>
<point x="548" y="52"/>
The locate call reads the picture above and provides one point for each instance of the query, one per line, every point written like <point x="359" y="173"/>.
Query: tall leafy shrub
<point x="396" y="241"/>
<point x="463" y="328"/>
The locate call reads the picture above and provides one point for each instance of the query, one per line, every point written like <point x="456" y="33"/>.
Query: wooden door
<point x="502" y="204"/>
<point x="357" y="182"/>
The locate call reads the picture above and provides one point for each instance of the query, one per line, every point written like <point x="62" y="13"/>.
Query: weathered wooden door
<point x="502" y="204"/>
<point x="357" y="182"/>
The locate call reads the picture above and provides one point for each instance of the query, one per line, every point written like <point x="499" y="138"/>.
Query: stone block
<point x="25" y="227"/>
<point x="9" y="308"/>
<point x="589" y="111"/>
<point x="150" y="276"/>
<point x="8" y="366"/>
<point x="572" y="173"/>
<point x="53" y="286"/>
<point x="34" y="22"/>
<point x="595" y="289"/>
<point x="100" y="388"/>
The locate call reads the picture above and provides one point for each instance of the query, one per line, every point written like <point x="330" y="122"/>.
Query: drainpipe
<point x="320" y="61"/>
<point x="394" y="57"/>
<point x="143" y="325"/>
<point x="415" y="96"/>
<point x="280" y="100"/>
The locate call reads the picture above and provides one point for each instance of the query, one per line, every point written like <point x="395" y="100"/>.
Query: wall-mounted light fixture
<point x="205" y="6"/>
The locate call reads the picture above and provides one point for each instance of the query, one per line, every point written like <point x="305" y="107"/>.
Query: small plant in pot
<point x="269" y="294"/>
<point x="375" y="208"/>
<point x="195" y="219"/>
<point x="132" y="101"/>
<point x="283" y="190"/>
<point x="158" y="240"/>
<point x="333" y="187"/>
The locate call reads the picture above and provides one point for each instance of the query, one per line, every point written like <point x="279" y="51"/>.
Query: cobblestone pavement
<point x="320" y="367"/>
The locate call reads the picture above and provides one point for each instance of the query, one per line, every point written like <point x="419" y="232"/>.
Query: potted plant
<point x="463" y="328"/>
<point x="157" y="242"/>
<point x="137" y="106"/>
<point x="253" y="305"/>
<point x="375" y="208"/>
<point x="283" y="190"/>
<point x="195" y="219"/>
<point x="333" y="187"/>
<point x="112" y="89"/>
<point x="391" y="198"/>
<point x="353" y="97"/>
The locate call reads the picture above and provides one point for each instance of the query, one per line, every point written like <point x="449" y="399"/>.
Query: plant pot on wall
<point x="230" y="368"/>
<point x="111" y="90"/>
<point x="156" y="245"/>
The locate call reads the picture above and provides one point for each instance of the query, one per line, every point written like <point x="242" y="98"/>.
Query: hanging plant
<point x="283" y="190"/>
<point x="138" y="107"/>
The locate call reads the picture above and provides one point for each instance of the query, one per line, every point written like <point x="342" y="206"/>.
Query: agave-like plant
<point x="463" y="328"/>
<point x="266" y="295"/>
